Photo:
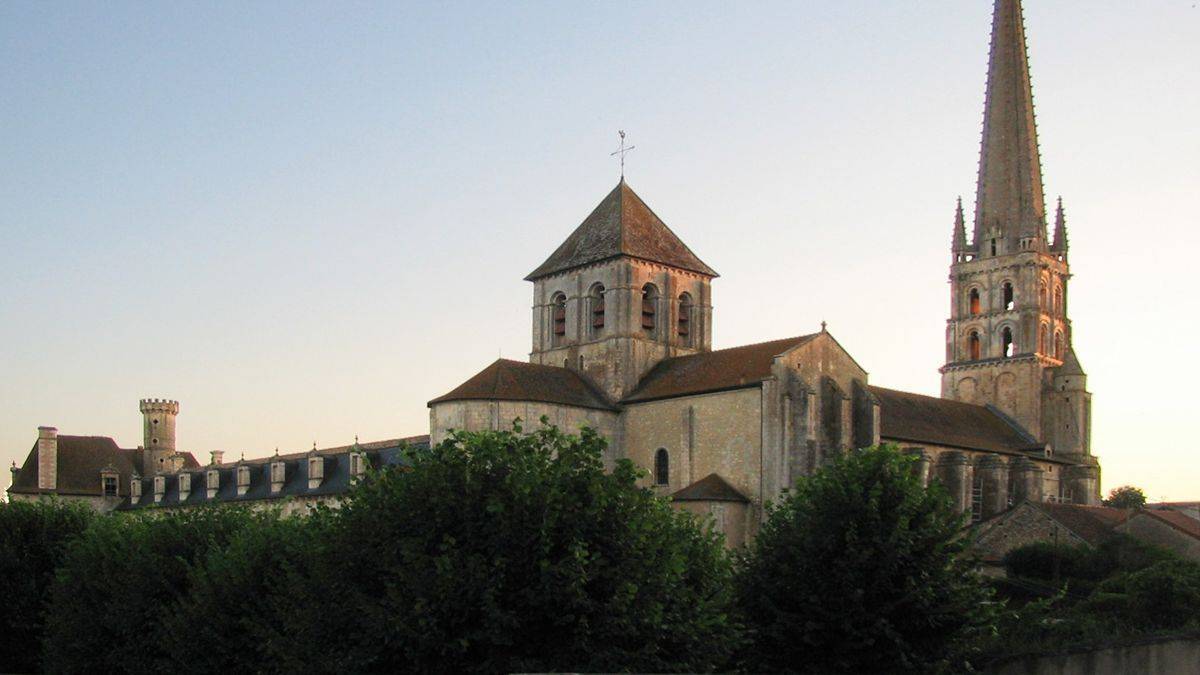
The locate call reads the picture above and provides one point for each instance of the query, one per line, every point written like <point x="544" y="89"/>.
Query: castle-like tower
<point x="1008" y="342"/>
<point x="158" y="433"/>
<point x="622" y="293"/>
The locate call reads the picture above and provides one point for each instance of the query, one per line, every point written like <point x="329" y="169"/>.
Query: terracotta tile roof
<point x="711" y="488"/>
<point x="925" y="419"/>
<point x="621" y="225"/>
<point x="507" y="380"/>
<point x="1093" y="524"/>
<point x="80" y="460"/>
<point x="733" y="368"/>
<point x="1180" y="521"/>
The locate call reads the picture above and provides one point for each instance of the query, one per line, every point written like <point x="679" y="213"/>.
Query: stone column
<point x="993" y="480"/>
<point x="921" y="465"/>
<point x="1027" y="480"/>
<point x="1083" y="480"/>
<point x="952" y="472"/>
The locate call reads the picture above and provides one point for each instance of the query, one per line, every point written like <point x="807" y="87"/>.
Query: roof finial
<point x="621" y="152"/>
<point x="314" y="446"/>
<point x="823" y="324"/>
<point x="277" y="451"/>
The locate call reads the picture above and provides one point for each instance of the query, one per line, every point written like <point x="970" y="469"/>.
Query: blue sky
<point x="306" y="220"/>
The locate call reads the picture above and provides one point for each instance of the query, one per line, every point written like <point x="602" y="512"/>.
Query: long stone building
<point x="622" y="322"/>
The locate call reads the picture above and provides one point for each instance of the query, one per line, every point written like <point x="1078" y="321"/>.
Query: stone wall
<point x="709" y="433"/>
<point x="1024" y="525"/>
<point x="732" y="519"/>
<point x="499" y="415"/>
<point x="1164" y="656"/>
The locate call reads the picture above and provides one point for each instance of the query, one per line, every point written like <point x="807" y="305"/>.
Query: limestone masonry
<point x="622" y="341"/>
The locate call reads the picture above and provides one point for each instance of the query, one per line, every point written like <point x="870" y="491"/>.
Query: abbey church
<point x="622" y="323"/>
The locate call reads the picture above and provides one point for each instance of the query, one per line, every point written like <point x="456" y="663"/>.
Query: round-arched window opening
<point x="1006" y="337"/>
<point x="973" y="301"/>
<point x="662" y="467"/>
<point x="973" y="346"/>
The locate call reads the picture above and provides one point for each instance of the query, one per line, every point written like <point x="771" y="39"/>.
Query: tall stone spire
<point x="1009" y="206"/>
<point x="1060" y="230"/>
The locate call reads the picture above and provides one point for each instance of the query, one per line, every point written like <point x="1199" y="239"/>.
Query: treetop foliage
<point x="1126" y="497"/>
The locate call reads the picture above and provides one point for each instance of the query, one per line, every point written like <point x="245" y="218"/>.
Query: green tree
<point x="503" y="552"/>
<point x="861" y="569"/>
<point x="117" y="585"/>
<point x="33" y="540"/>
<point x="226" y="616"/>
<point x="1126" y="497"/>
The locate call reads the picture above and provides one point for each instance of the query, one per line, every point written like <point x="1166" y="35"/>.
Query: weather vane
<point x="621" y="152"/>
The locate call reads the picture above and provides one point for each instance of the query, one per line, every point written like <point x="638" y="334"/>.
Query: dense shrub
<point x="861" y="569"/>
<point x="501" y="552"/>
<point x="33" y="540"/>
<point x="118" y="584"/>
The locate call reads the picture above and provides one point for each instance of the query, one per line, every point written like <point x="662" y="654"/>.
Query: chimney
<point x="217" y="456"/>
<point x="47" y="450"/>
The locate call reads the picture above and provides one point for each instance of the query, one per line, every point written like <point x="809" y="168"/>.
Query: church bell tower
<point x="1008" y="340"/>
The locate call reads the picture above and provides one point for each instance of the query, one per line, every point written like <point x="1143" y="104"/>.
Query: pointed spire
<point x="1060" y="229"/>
<point x="960" y="229"/>
<point x="1009" y="193"/>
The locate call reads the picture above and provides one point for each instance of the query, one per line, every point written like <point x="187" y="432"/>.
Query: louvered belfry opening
<point x="649" y="307"/>
<point x="560" y="315"/>
<point x="597" y="308"/>
<point x="685" y="316"/>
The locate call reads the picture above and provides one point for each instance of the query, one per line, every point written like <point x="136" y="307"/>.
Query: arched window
<point x="685" y="318"/>
<point x="1058" y="300"/>
<point x="662" y="467"/>
<point x="1058" y="346"/>
<point x="596" y="299"/>
<point x="1043" y="297"/>
<point x="1009" y="297"/>
<point x="1006" y="339"/>
<point x="1043" y="339"/>
<point x="558" y="314"/>
<point x="973" y="346"/>
<point x="973" y="301"/>
<point x="649" y="307"/>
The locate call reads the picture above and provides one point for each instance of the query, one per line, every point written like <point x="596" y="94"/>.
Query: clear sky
<point x="304" y="221"/>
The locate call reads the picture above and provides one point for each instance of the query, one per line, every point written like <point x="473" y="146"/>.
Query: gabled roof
<point x="1093" y="524"/>
<point x="905" y="416"/>
<point x="1180" y="521"/>
<point x="621" y="225"/>
<point x="732" y="368"/>
<point x="711" y="488"/>
<point x="507" y="380"/>
<point x="80" y="461"/>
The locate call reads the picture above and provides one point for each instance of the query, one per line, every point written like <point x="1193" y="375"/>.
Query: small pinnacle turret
<point x="1060" y="230"/>
<point x="960" y="232"/>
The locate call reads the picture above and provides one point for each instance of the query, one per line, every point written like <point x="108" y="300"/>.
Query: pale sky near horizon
<point x="305" y="220"/>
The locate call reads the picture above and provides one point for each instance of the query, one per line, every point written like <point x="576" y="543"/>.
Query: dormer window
<point x="358" y="464"/>
<point x="160" y="488"/>
<point x="135" y="489"/>
<point x="109" y="481"/>
<point x="243" y="480"/>
<point x="316" y="472"/>
<point x="213" y="482"/>
<point x="185" y="485"/>
<point x="278" y="475"/>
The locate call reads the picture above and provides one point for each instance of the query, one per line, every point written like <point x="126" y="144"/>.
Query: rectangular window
<point x="110" y="486"/>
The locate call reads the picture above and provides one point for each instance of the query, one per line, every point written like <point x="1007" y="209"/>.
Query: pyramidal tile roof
<point x="621" y="225"/>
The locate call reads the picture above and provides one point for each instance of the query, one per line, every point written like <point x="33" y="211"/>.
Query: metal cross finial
<point x="621" y="152"/>
<point x="822" y="326"/>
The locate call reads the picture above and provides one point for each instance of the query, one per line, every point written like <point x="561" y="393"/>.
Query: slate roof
<point x="80" y="461"/>
<point x="905" y="416"/>
<point x="507" y="380"/>
<point x="621" y="225"/>
<point x="711" y="488"/>
<point x="337" y="477"/>
<point x="720" y="370"/>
